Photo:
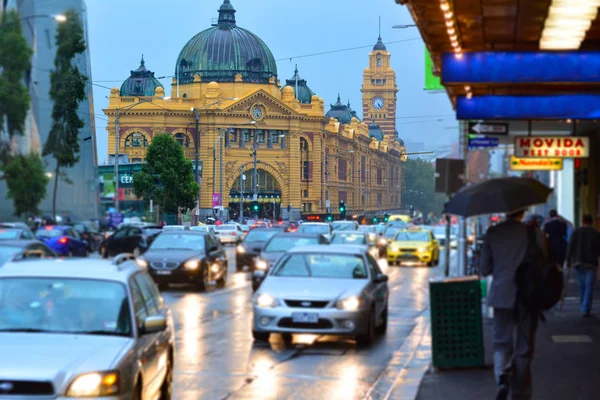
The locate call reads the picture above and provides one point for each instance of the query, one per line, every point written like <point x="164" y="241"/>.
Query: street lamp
<point x="403" y="26"/>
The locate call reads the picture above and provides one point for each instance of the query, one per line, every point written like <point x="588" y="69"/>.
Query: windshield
<point x="413" y="236"/>
<point x="283" y="243"/>
<point x="173" y="228"/>
<point x="367" y="228"/>
<point x="62" y="305"/>
<point x="226" y="228"/>
<point x="343" y="226"/>
<point x="259" y="235"/>
<point x="49" y="233"/>
<point x="323" y="266"/>
<point x="390" y="232"/>
<point x="309" y="228"/>
<point x="199" y="228"/>
<point x="7" y="252"/>
<point x="79" y="228"/>
<point x="178" y="242"/>
<point x="439" y="230"/>
<point x="348" y="238"/>
<point x="9" y="234"/>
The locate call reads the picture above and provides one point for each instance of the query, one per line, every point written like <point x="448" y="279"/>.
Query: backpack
<point x="539" y="281"/>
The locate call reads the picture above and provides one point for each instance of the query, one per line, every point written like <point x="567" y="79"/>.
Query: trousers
<point x="514" y="342"/>
<point x="587" y="279"/>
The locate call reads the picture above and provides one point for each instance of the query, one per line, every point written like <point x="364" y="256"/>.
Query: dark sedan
<point x="16" y="250"/>
<point x="251" y="247"/>
<point x="186" y="257"/>
<point x="278" y="245"/>
<point x="90" y="232"/>
<point x="129" y="239"/>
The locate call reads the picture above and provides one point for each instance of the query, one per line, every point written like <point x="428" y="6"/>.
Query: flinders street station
<point x="309" y="155"/>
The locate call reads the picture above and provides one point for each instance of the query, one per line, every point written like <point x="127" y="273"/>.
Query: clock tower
<point x="379" y="90"/>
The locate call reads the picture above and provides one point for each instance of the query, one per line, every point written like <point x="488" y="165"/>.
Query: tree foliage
<point x="67" y="90"/>
<point x="419" y="187"/>
<point x="15" y="62"/>
<point x="26" y="181"/>
<point x="166" y="176"/>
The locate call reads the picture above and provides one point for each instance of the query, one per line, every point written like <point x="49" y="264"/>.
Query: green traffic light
<point x="375" y="219"/>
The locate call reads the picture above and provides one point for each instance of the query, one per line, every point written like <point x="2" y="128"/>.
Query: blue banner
<point x="483" y="142"/>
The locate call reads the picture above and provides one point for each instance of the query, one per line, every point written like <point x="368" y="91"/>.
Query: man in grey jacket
<point x="504" y="249"/>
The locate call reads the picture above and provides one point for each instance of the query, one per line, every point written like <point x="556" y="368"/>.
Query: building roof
<point x="379" y="45"/>
<point x="225" y="50"/>
<point x="340" y="111"/>
<point x="352" y="111"/>
<point x="140" y="83"/>
<point x="400" y="141"/>
<point x="375" y="131"/>
<point x="304" y="93"/>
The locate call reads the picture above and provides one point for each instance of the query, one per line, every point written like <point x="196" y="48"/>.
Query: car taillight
<point x="232" y="233"/>
<point x="63" y="240"/>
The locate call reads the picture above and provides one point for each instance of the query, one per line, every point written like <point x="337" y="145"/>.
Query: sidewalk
<point x="566" y="363"/>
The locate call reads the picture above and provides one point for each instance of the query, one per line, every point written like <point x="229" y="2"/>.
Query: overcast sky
<point x="122" y="30"/>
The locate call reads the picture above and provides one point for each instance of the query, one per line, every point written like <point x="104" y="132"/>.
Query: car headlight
<point x="423" y="249"/>
<point x="215" y="267"/>
<point x="350" y="304"/>
<point x="262" y="264"/>
<point x="241" y="249"/>
<point x="141" y="262"/>
<point x="266" y="301"/>
<point x="394" y="249"/>
<point x="95" y="384"/>
<point x="192" y="264"/>
<point x="383" y="241"/>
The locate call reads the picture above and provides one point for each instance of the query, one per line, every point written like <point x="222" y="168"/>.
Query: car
<point x="133" y="239"/>
<point x="278" y="245"/>
<point x="323" y="290"/>
<point x="17" y="250"/>
<point x="345" y="226"/>
<point x="390" y="232"/>
<point x="287" y="226"/>
<point x="203" y="228"/>
<point x="102" y="331"/>
<point x="229" y="233"/>
<point x="186" y="257"/>
<point x="64" y="240"/>
<point x="176" y="228"/>
<point x="316" y="227"/>
<point x="440" y="234"/>
<point x="90" y="232"/>
<point x="250" y="248"/>
<point x="415" y="245"/>
<point x="11" y="233"/>
<point x="400" y="218"/>
<point x="356" y="238"/>
<point x="370" y="230"/>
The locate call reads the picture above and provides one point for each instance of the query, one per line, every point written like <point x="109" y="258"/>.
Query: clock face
<point x="257" y="113"/>
<point x="377" y="103"/>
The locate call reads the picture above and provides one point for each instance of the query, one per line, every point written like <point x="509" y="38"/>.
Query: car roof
<point x="184" y="232"/>
<point x="351" y="249"/>
<point x="20" y="243"/>
<point x="315" y="223"/>
<point x="52" y="227"/>
<point x="297" y="234"/>
<point x="77" y="268"/>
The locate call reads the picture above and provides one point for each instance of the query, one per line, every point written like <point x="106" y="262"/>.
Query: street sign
<point x="254" y="197"/>
<point x="216" y="199"/>
<point x="536" y="164"/>
<point x="449" y="174"/>
<point x="489" y="128"/>
<point x="327" y="203"/>
<point x="483" y="142"/>
<point x="116" y="219"/>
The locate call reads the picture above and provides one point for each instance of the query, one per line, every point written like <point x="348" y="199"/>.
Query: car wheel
<point x="137" y="391"/>
<point x="261" y="336"/>
<point x="166" y="389"/>
<point x="367" y="338"/>
<point x="381" y="329"/>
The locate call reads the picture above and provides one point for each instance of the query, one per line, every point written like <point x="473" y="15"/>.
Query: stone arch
<point x="249" y="166"/>
<point x="125" y="136"/>
<point x="304" y="136"/>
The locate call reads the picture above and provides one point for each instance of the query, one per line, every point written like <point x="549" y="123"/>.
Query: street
<point x="216" y="357"/>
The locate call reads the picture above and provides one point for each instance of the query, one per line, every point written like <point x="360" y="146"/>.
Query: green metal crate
<point x="456" y="323"/>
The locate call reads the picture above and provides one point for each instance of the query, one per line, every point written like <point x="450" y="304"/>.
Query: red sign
<point x="552" y="146"/>
<point x="313" y="218"/>
<point x="121" y="194"/>
<point x="216" y="199"/>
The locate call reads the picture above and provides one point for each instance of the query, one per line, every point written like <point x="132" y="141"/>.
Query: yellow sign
<point x="536" y="164"/>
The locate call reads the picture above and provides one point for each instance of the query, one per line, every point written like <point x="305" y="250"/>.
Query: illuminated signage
<point x="536" y="164"/>
<point x="552" y="146"/>
<point x="313" y="218"/>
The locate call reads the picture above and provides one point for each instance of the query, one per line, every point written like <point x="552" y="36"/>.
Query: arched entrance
<point x="269" y="196"/>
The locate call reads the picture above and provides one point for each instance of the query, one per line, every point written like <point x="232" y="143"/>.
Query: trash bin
<point x="456" y="322"/>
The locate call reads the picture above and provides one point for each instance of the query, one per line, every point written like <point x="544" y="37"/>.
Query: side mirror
<point x="154" y="324"/>
<point x="381" y="278"/>
<point x="258" y="274"/>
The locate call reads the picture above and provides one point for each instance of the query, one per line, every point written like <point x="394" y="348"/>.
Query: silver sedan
<point x="336" y="290"/>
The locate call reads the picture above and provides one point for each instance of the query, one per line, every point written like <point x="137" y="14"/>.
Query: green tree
<point x="67" y="90"/>
<point x="166" y="176"/>
<point x="419" y="187"/>
<point x="26" y="181"/>
<point x="15" y="61"/>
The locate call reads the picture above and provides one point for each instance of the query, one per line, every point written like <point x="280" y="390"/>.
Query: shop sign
<point x="216" y="199"/>
<point x="536" y="164"/>
<point x="552" y="146"/>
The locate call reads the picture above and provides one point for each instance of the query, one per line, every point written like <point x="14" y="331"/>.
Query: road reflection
<point x="191" y="346"/>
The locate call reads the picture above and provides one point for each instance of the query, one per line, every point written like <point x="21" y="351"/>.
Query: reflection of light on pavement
<point x="347" y="384"/>
<point x="239" y="302"/>
<point x="383" y="265"/>
<point x="266" y="380"/>
<point x="191" y="329"/>
<point x="239" y="279"/>
<point x="305" y="339"/>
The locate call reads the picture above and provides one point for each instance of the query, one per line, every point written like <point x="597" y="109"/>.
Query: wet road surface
<point x="216" y="357"/>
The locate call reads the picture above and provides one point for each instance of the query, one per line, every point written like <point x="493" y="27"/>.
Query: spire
<point x="348" y="103"/>
<point x="379" y="45"/>
<point x="142" y="63"/>
<point x="226" y="14"/>
<point x="296" y="70"/>
<point x="339" y="98"/>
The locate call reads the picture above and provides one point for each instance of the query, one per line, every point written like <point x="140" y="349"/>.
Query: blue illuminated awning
<point x="574" y="106"/>
<point x="521" y="67"/>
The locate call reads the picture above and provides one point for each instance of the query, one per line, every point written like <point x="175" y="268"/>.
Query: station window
<point x="304" y="170"/>
<point x="182" y="139"/>
<point x="260" y="136"/>
<point x="246" y="135"/>
<point x="136" y="139"/>
<point x="379" y="61"/>
<point x="305" y="193"/>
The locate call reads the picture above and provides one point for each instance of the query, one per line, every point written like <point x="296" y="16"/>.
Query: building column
<point x="565" y="191"/>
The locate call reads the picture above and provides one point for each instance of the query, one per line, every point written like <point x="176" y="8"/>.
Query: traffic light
<point x="342" y="208"/>
<point x="329" y="218"/>
<point x="255" y="206"/>
<point x="375" y="220"/>
<point x="386" y="217"/>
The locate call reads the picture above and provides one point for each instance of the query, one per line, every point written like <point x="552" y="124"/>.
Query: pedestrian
<point x="582" y="254"/>
<point x="504" y="250"/>
<point x="556" y="230"/>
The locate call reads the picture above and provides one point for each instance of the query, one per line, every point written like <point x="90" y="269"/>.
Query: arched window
<point x="182" y="139"/>
<point x="303" y="144"/>
<point x="136" y="139"/>
<point x="379" y="61"/>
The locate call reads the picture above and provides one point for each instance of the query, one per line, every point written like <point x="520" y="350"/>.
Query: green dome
<point x="141" y="82"/>
<point x="220" y="53"/>
<point x="304" y="94"/>
<point x="375" y="131"/>
<point x="340" y="111"/>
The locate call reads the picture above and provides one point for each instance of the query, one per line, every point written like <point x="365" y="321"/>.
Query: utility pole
<point x="255" y="180"/>
<point x="241" y="194"/>
<point x="117" y="160"/>
<point x="221" y="168"/>
<point x="197" y="156"/>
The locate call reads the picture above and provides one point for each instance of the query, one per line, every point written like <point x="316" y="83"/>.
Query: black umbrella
<point x="502" y="195"/>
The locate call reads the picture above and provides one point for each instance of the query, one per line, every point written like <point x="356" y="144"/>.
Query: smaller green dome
<point x="379" y="45"/>
<point x="340" y="111"/>
<point x="399" y="139"/>
<point x="141" y="82"/>
<point x="304" y="93"/>
<point x="375" y="131"/>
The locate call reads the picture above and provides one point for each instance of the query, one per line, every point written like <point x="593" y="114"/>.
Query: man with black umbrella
<point x="504" y="249"/>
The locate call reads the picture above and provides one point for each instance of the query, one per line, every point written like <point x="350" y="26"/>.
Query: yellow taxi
<point x="414" y="246"/>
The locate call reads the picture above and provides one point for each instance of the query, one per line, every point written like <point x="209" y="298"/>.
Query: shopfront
<point x="129" y="204"/>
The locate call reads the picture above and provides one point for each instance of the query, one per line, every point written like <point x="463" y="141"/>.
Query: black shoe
<point x="503" y="389"/>
<point x="587" y="315"/>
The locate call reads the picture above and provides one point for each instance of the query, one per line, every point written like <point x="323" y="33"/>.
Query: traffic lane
<point x="216" y="356"/>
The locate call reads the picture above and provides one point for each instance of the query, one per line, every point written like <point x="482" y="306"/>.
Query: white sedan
<point x="229" y="233"/>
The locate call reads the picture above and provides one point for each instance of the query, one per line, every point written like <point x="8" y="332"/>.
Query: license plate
<point x="163" y="272"/>
<point x="305" y="317"/>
